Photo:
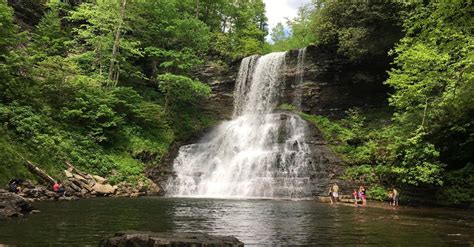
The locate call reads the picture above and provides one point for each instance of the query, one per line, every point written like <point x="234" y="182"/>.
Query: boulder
<point x="13" y="205"/>
<point x="104" y="189"/>
<point x="138" y="239"/>
<point x="36" y="192"/>
<point x="68" y="174"/>
<point x="88" y="187"/>
<point x="152" y="188"/>
<point x="99" y="179"/>
<point x="80" y="178"/>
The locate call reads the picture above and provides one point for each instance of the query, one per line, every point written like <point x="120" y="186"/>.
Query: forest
<point x="111" y="85"/>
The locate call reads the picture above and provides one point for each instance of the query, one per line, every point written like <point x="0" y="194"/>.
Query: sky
<point x="277" y="10"/>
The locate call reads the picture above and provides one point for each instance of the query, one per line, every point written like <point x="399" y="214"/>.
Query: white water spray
<point x="299" y="77"/>
<point x="261" y="153"/>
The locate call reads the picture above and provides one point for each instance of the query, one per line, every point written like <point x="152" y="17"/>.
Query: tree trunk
<point x="39" y="173"/>
<point x="113" y="69"/>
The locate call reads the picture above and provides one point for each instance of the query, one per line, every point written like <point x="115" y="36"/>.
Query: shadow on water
<point x="85" y="222"/>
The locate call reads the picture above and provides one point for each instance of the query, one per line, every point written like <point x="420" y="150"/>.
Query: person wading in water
<point x="395" y="197"/>
<point x="335" y="192"/>
<point x="362" y="195"/>
<point x="354" y="195"/>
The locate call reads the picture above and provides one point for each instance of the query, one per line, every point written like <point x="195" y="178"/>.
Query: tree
<point x="49" y="37"/>
<point x="181" y="89"/>
<point x="433" y="79"/>
<point x="357" y="30"/>
<point x="278" y="33"/>
<point x="100" y="40"/>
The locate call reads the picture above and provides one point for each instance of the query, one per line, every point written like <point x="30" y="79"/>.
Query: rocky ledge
<point x="138" y="239"/>
<point x="13" y="205"/>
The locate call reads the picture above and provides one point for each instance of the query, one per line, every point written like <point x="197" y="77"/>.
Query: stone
<point x="74" y="187"/>
<point x="68" y="174"/>
<point x="80" y="178"/>
<point x="13" y="205"/>
<point x="36" y="192"/>
<point x="139" y="239"/>
<point x="88" y="187"/>
<point x="152" y="188"/>
<point x="99" y="179"/>
<point x="104" y="189"/>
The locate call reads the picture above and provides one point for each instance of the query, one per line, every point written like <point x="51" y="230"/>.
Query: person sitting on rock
<point x="56" y="187"/>
<point x="62" y="190"/>
<point x="14" y="185"/>
<point x="59" y="188"/>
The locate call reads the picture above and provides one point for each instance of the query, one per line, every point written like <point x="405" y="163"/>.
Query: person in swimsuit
<point x="354" y="195"/>
<point x="362" y="195"/>
<point x="395" y="197"/>
<point x="330" y="195"/>
<point x="390" y="198"/>
<point x="335" y="192"/>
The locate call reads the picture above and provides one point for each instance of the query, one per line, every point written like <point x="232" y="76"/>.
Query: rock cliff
<point x="327" y="84"/>
<point x="331" y="84"/>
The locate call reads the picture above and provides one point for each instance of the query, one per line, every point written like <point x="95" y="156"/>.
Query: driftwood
<point x="40" y="173"/>
<point x="73" y="169"/>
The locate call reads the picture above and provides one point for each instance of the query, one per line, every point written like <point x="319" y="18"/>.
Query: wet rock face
<point x="222" y="83"/>
<point x="13" y="205"/>
<point x="145" y="239"/>
<point x="332" y="84"/>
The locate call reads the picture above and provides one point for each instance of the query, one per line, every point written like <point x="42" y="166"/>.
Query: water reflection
<point x="259" y="222"/>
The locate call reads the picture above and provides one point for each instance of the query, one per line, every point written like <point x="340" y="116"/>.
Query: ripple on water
<point x="252" y="221"/>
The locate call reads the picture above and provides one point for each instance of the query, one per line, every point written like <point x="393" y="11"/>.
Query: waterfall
<point x="260" y="153"/>
<point x="299" y="78"/>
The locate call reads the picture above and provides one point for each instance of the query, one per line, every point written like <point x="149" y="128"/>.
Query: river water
<point x="255" y="222"/>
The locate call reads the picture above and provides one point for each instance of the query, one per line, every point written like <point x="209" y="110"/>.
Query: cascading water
<point x="259" y="153"/>
<point x="299" y="77"/>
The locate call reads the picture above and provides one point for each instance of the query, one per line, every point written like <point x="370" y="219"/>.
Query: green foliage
<point x="181" y="89"/>
<point x="458" y="186"/>
<point x="49" y="37"/>
<point x="429" y="137"/>
<point x="107" y="84"/>
<point x="379" y="155"/>
<point x="300" y="32"/>
<point x="377" y="192"/>
<point x="287" y="107"/>
<point x="357" y="30"/>
<point x="11" y="165"/>
<point x="7" y="29"/>
<point x="128" y="169"/>
<point x="433" y="79"/>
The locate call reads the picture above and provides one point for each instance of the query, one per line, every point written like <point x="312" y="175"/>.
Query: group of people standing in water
<point x="360" y="195"/>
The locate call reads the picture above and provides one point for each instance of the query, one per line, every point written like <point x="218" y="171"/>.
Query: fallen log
<point x="75" y="170"/>
<point x="40" y="173"/>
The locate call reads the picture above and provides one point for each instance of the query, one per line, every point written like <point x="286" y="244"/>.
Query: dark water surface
<point x="255" y="222"/>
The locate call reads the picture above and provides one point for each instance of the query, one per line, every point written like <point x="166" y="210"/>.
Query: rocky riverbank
<point x="76" y="184"/>
<point x="13" y="205"/>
